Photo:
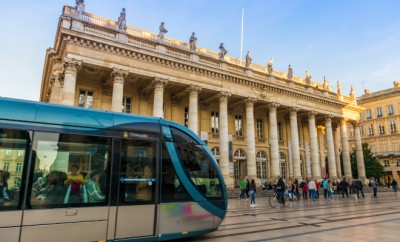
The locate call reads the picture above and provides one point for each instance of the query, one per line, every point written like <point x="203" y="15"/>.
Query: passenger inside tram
<point x="144" y="188"/>
<point x="4" y="192"/>
<point x="93" y="188"/>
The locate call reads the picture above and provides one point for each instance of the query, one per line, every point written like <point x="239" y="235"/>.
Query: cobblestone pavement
<point x="339" y="220"/>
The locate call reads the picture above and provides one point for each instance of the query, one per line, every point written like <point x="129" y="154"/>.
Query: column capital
<point x="343" y="121"/>
<point x="329" y="117"/>
<point x="193" y="90"/>
<point x="293" y="111"/>
<point x="354" y="122"/>
<point x="311" y="114"/>
<point x="61" y="78"/>
<point x="119" y="75"/>
<point x="223" y="97"/>
<point x="273" y="106"/>
<point x="71" y="65"/>
<point x="250" y="102"/>
<point x="159" y="83"/>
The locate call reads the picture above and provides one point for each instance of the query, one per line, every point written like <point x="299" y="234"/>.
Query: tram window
<point x="138" y="172"/>
<point x="70" y="170"/>
<point x="198" y="166"/>
<point x="13" y="143"/>
<point x="180" y="137"/>
<point x="172" y="189"/>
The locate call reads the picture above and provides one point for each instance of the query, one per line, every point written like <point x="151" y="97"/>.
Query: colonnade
<point x="333" y="136"/>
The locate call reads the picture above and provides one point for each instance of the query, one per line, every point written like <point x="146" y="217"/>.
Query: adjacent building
<point x="258" y="121"/>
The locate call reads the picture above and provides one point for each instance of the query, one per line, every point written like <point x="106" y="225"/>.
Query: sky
<point x="355" y="42"/>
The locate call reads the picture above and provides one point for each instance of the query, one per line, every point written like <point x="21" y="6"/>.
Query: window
<point x="280" y="135"/>
<point x="394" y="146"/>
<point x="215" y="152"/>
<point x="372" y="146"/>
<point x="12" y="140"/>
<point x="214" y="122"/>
<point x="239" y="125"/>
<point x="85" y="99"/>
<point x="369" y="113"/>
<point x="371" y="130"/>
<point x="361" y="130"/>
<point x="353" y="148"/>
<point x="260" y="129"/>
<point x="261" y="160"/>
<point x="351" y="132"/>
<point x="196" y="163"/>
<point x="76" y="167"/>
<point x="8" y="152"/>
<point x="186" y="117"/>
<point x="361" y="115"/>
<point x="20" y="153"/>
<point x="393" y="126"/>
<point x="398" y="163"/>
<point x="282" y="160"/>
<point x="6" y="166"/>
<point x="18" y="167"/>
<point x="386" y="163"/>
<point x="127" y="105"/>
<point x="390" y="110"/>
<point x="383" y="148"/>
<point x="381" y="128"/>
<point x="379" y="112"/>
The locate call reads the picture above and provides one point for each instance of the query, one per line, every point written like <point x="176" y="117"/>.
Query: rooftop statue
<point x="339" y="88"/>
<point x="192" y="42"/>
<point x="79" y="8"/>
<point x="352" y="95"/>
<point x="162" y="32"/>
<point x="290" y="73"/>
<point x="122" y="20"/>
<point x="307" y="77"/>
<point x="269" y="66"/>
<point x="325" y="83"/>
<point x="248" y="59"/>
<point x="222" y="52"/>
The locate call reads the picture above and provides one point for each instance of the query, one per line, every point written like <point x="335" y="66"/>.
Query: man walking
<point x="243" y="185"/>
<point x="343" y="187"/>
<point x="280" y="189"/>
<point x="325" y="187"/>
<point x="359" y="187"/>
<point x="312" y="187"/>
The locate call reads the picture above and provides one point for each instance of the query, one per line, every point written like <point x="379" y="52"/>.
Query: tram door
<point x="136" y="207"/>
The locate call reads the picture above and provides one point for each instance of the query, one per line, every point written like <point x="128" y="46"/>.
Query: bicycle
<point x="275" y="200"/>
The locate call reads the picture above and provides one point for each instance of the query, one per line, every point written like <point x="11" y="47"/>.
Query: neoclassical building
<point x="378" y="128"/>
<point x="258" y="121"/>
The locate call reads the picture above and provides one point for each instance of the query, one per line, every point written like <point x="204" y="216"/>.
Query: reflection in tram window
<point x="13" y="146"/>
<point x="137" y="179"/>
<point x="197" y="164"/>
<point x="70" y="170"/>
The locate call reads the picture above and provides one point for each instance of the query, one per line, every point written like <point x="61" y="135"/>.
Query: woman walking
<point x="252" y="193"/>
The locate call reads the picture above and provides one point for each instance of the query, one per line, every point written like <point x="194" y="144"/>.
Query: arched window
<point x="261" y="161"/>
<point x="238" y="171"/>
<point x="239" y="155"/>
<point x="282" y="161"/>
<point x="215" y="152"/>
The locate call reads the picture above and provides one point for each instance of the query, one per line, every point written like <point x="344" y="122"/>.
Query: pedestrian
<point x="343" y="187"/>
<point x="280" y="189"/>
<point x="359" y="187"/>
<point x="317" y="187"/>
<point x="324" y="186"/>
<point x="305" y="190"/>
<point x="329" y="189"/>
<point x="247" y="188"/>
<point x="312" y="189"/>
<point x="394" y="185"/>
<point x="243" y="185"/>
<point x="253" y="193"/>
<point x="374" y="185"/>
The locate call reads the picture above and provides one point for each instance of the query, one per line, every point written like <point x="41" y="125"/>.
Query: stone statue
<point x="339" y="88"/>
<point x="122" y="20"/>
<point x="269" y="66"/>
<point x="248" y="59"/>
<point x="163" y="31"/>
<point x="352" y="95"/>
<point x="308" y="77"/>
<point x="290" y="73"/>
<point x="325" y="83"/>
<point x="79" y="8"/>
<point x="192" y="42"/>
<point x="222" y="52"/>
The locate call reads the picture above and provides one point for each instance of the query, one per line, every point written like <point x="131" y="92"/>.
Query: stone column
<point x="330" y="147"/>
<point x="295" y="143"/>
<point x="336" y="136"/>
<point x="359" y="152"/>
<point x="321" y="146"/>
<point x="71" y="68"/>
<point x="158" y="103"/>
<point x="308" y="160"/>
<point x="345" y="150"/>
<point x="118" y="76"/>
<point x="194" y="108"/>
<point x="223" y="137"/>
<point x="250" y="138"/>
<point x="273" y="140"/>
<point x="315" y="171"/>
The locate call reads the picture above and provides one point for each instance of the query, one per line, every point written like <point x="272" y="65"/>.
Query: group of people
<point x="310" y="188"/>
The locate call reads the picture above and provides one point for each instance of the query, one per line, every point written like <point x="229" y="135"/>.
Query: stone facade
<point x="257" y="121"/>
<point x="378" y="127"/>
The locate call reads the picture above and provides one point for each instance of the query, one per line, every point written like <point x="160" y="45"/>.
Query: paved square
<point x="368" y="219"/>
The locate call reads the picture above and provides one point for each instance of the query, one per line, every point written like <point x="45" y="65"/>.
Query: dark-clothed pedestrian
<point x="359" y="187"/>
<point x="343" y="187"/>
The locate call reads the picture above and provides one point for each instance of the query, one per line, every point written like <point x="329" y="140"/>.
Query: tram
<point x="75" y="174"/>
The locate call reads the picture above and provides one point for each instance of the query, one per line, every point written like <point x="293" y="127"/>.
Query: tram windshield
<point x="198" y="165"/>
